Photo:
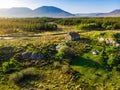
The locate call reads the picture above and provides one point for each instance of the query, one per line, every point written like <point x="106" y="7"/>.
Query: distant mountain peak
<point x="50" y="11"/>
<point x="117" y="11"/>
<point x="44" y="11"/>
<point x="48" y="6"/>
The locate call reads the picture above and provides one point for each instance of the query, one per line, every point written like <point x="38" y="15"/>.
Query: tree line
<point x="92" y="23"/>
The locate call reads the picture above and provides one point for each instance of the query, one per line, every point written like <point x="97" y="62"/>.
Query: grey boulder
<point x="32" y="55"/>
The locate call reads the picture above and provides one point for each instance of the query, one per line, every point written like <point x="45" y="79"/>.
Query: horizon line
<point x="59" y="8"/>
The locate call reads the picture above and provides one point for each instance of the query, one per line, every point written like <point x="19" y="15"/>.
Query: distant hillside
<point x="16" y="12"/>
<point x="115" y="13"/>
<point x="44" y="11"/>
<point x="50" y="11"/>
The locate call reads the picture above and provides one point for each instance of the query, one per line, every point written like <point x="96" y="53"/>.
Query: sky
<point x="72" y="6"/>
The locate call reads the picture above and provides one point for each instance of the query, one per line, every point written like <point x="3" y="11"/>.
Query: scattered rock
<point x="73" y="36"/>
<point x="108" y="41"/>
<point x="117" y="45"/>
<point x="101" y="39"/>
<point x="94" y="52"/>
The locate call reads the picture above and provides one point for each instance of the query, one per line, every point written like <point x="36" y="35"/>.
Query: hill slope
<point x="115" y="13"/>
<point x="51" y="11"/>
<point x="45" y="11"/>
<point x="15" y="12"/>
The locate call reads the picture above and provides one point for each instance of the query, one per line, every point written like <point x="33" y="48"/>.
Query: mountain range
<point x="50" y="11"/>
<point x="44" y="11"/>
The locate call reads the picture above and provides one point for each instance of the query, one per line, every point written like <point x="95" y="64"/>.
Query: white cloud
<point x="9" y="3"/>
<point x="16" y="3"/>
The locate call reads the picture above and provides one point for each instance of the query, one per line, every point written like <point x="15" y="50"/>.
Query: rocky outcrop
<point x="73" y="36"/>
<point x="63" y="48"/>
<point x="32" y="55"/>
<point x="108" y="41"/>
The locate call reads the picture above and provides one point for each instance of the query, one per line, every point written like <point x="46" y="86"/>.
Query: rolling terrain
<point x="60" y="53"/>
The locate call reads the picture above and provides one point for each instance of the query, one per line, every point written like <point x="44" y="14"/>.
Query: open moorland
<point x="60" y="53"/>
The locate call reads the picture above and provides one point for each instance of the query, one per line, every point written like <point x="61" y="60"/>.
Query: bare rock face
<point x="73" y="36"/>
<point x="32" y="55"/>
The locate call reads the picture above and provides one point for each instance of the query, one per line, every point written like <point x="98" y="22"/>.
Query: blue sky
<point x="73" y="6"/>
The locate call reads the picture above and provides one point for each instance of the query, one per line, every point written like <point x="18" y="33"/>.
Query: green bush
<point x="111" y="61"/>
<point x="109" y="25"/>
<point x="114" y="60"/>
<point x="111" y="49"/>
<point x="88" y="26"/>
<point x="60" y="55"/>
<point x="78" y="47"/>
<point x="9" y="66"/>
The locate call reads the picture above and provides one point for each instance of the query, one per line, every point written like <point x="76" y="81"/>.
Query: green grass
<point x="93" y="74"/>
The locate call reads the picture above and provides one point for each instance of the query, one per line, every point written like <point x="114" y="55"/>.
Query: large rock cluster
<point x="109" y="41"/>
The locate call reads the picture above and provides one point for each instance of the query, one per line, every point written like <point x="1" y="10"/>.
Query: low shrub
<point x="18" y="76"/>
<point x="65" y="69"/>
<point x="114" y="60"/>
<point x="78" y="47"/>
<point x="88" y="26"/>
<point x="9" y="66"/>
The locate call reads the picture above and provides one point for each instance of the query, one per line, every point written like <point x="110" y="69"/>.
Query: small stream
<point x="22" y="37"/>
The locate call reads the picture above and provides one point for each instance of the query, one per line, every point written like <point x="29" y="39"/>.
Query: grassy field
<point x="73" y="67"/>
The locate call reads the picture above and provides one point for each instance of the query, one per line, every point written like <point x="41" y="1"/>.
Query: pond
<point x="23" y="37"/>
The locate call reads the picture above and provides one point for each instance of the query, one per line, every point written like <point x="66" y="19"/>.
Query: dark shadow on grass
<point x="80" y="61"/>
<point x="26" y="81"/>
<point x="85" y="40"/>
